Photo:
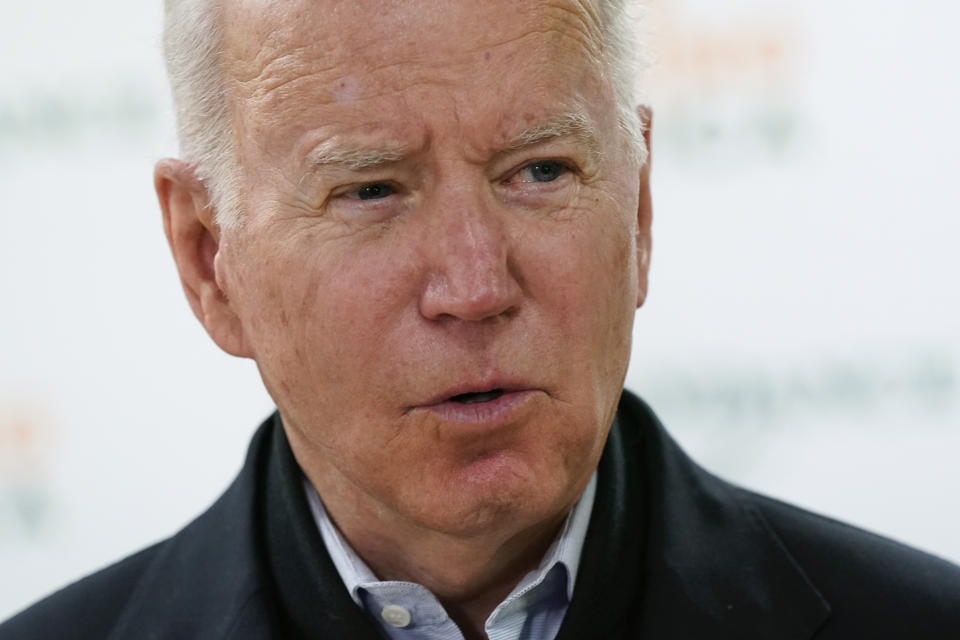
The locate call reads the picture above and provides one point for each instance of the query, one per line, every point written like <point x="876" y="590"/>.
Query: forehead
<point x="343" y="61"/>
<point x="268" y="38"/>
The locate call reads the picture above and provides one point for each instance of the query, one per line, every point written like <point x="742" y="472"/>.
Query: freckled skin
<point x="359" y="312"/>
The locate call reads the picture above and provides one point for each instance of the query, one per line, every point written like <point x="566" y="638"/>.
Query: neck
<point x="469" y="575"/>
<point x="470" y="567"/>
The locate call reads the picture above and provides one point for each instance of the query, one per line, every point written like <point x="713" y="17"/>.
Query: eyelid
<point x="343" y="203"/>
<point x="565" y="149"/>
<point x="349" y="191"/>
<point x="569" y="165"/>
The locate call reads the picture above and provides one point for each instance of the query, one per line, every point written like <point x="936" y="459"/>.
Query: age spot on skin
<point x="346" y="90"/>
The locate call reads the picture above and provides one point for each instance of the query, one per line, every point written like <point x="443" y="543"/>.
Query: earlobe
<point x="194" y="239"/>
<point x="644" y="210"/>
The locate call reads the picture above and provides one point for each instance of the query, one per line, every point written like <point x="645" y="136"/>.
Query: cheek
<point x="320" y="316"/>
<point x="588" y="295"/>
<point x="591" y="272"/>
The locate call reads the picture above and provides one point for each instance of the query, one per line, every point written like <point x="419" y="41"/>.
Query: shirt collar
<point x="564" y="551"/>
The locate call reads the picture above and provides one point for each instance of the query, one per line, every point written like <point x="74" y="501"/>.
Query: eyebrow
<point x="576" y="125"/>
<point x="573" y="124"/>
<point x="329" y="154"/>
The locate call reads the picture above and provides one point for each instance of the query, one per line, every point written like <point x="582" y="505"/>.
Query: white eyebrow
<point x="329" y="154"/>
<point x="573" y="124"/>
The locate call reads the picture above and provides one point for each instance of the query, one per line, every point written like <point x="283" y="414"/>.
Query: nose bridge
<point x="474" y="241"/>
<point x="471" y="277"/>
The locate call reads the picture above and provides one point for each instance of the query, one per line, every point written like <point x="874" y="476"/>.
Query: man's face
<point x="438" y="272"/>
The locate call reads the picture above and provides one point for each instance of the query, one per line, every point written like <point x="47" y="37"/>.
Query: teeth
<point x="473" y="398"/>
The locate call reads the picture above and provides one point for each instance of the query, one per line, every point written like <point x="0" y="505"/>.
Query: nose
<point x="472" y="276"/>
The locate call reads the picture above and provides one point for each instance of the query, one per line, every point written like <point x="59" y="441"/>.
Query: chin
<point x="499" y="491"/>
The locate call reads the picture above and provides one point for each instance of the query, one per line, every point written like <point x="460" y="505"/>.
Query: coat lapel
<point x="711" y="565"/>
<point x="308" y="587"/>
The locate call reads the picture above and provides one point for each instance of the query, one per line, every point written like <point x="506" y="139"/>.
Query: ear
<point x="644" y="210"/>
<point x="194" y="238"/>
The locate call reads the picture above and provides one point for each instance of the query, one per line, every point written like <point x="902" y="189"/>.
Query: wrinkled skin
<point x="462" y="261"/>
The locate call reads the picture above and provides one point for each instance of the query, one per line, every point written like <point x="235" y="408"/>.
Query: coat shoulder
<point x="205" y="581"/>
<point x="868" y="580"/>
<point x="730" y="560"/>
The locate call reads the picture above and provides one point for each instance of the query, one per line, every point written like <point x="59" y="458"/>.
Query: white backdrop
<point x="802" y="334"/>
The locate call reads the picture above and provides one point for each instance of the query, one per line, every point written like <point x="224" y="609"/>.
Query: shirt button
<point x="395" y="616"/>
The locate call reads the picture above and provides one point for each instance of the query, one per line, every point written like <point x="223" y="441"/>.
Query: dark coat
<point x="672" y="552"/>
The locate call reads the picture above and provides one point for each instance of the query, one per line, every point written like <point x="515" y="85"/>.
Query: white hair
<point x="192" y="45"/>
<point x="626" y="62"/>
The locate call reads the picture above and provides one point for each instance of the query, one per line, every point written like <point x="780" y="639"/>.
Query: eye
<point x="373" y="191"/>
<point x="367" y="202"/>
<point x="542" y="171"/>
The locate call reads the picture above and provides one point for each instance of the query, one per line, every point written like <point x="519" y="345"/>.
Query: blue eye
<point x="546" y="171"/>
<point x="375" y="191"/>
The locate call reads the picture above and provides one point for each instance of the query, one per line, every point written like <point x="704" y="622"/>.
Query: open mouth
<point x="477" y="397"/>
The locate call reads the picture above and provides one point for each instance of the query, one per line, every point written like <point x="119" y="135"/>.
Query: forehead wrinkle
<point x="267" y="83"/>
<point x="286" y="57"/>
<point x="579" y="17"/>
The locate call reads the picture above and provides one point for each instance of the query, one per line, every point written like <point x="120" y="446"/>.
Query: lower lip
<point x="483" y="413"/>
